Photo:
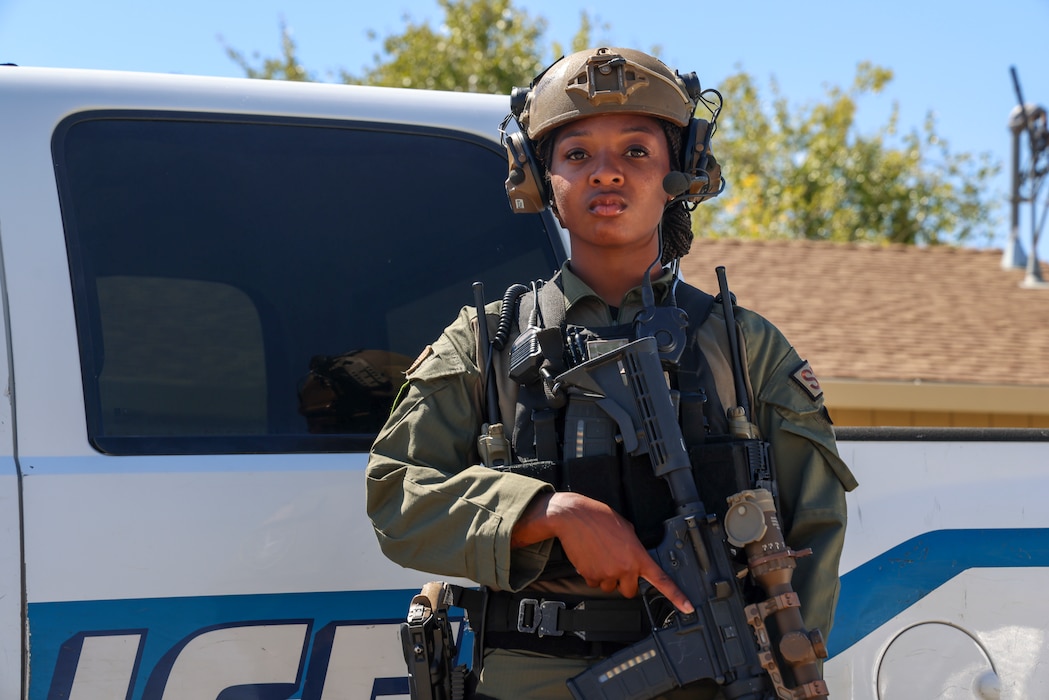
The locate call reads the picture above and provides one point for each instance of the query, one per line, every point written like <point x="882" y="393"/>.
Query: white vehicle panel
<point x="192" y="526"/>
<point x="911" y="487"/>
<point x="947" y="547"/>
<point x="980" y="635"/>
<point x="11" y="617"/>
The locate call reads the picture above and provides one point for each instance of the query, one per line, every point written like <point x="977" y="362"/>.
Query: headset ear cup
<point x="694" y="145"/>
<point x="524" y="183"/>
<point x="699" y="158"/>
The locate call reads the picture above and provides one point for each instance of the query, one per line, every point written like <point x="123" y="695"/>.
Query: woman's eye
<point x="575" y="154"/>
<point x="637" y="151"/>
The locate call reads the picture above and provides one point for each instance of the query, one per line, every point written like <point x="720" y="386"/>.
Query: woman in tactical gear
<point x="609" y="140"/>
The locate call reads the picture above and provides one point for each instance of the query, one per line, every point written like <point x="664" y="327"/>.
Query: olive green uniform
<point x="435" y="508"/>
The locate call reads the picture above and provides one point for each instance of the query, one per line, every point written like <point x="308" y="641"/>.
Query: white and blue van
<point x="185" y="265"/>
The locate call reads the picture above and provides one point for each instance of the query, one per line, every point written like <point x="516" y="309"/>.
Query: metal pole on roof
<point x="1013" y="255"/>
<point x="1029" y="119"/>
<point x="1033" y="276"/>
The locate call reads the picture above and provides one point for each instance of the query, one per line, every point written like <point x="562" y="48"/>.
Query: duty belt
<point x="565" y="626"/>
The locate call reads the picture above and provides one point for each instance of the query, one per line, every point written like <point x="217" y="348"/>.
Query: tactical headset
<point x="608" y="81"/>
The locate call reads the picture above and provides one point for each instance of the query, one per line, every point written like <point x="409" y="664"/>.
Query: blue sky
<point x="949" y="58"/>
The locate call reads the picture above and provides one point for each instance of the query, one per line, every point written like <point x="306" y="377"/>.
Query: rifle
<point x="712" y="643"/>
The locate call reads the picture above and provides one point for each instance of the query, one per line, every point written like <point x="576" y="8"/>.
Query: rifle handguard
<point x="752" y="524"/>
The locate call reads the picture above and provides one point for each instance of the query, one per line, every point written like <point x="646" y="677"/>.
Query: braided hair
<point x="676" y="226"/>
<point x="677" y="220"/>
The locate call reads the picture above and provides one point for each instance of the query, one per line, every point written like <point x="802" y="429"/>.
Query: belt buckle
<point x="539" y="617"/>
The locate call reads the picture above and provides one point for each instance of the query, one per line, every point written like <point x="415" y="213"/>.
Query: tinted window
<point x="215" y="262"/>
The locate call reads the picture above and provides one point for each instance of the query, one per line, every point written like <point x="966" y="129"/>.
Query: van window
<point x="261" y="285"/>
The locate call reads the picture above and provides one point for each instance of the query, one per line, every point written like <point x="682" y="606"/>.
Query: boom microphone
<point x="676" y="183"/>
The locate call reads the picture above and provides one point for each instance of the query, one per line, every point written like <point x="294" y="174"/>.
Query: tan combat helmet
<point x="605" y="81"/>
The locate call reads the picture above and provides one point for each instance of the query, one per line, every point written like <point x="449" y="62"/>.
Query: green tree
<point x="286" y="67"/>
<point x="792" y="171"/>
<point x="481" y="46"/>
<point x="806" y="172"/>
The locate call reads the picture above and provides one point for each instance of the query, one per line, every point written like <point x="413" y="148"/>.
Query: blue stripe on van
<point x="878" y="590"/>
<point x="871" y="595"/>
<point x="163" y="622"/>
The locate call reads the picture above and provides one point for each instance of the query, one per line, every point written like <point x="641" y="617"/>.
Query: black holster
<point x="430" y="649"/>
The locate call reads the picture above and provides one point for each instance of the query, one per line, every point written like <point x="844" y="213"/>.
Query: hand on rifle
<point x="600" y="543"/>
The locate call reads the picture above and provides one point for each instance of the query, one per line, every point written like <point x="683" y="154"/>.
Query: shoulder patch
<point x="427" y="352"/>
<point x="807" y="380"/>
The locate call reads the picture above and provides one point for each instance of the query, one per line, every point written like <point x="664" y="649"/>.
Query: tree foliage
<point x="792" y="171"/>
<point x="481" y="46"/>
<point x="807" y="172"/>
<point x="286" y="67"/>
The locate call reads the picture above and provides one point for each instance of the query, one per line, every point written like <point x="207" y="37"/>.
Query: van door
<point x="246" y="293"/>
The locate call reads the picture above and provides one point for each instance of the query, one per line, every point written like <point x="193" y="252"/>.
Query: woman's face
<point x="606" y="175"/>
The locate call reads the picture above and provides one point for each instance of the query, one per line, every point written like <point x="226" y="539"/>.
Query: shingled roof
<point x="889" y="313"/>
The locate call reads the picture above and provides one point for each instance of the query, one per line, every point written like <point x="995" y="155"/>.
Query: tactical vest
<point x="573" y="444"/>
